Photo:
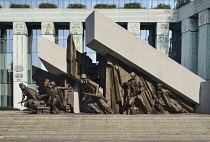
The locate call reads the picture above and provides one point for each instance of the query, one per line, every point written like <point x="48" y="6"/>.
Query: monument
<point x="142" y="81"/>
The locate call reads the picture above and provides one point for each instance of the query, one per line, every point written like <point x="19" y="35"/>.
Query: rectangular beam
<point x="106" y="37"/>
<point x="79" y="15"/>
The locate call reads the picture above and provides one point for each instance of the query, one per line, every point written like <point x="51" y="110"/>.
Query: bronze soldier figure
<point x="167" y="101"/>
<point x="55" y="98"/>
<point x="135" y="89"/>
<point x="31" y="95"/>
<point x="98" y="102"/>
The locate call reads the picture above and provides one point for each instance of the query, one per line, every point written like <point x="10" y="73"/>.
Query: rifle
<point x="96" y="96"/>
<point x="22" y="102"/>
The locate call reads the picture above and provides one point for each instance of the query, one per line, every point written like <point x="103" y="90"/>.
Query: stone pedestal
<point x="76" y="29"/>
<point x="189" y="51"/>
<point x="20" y="60"/>
<point x="134" y="28"/>
<point x="204" y="106"/>
<point x="204" y="45"/>
<point x="48" y="32"/>
<point x="76" y="98"/>
<point x="162" y="37"/>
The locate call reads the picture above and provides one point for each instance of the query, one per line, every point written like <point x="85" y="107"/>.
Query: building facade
<point x="182" y="34"/>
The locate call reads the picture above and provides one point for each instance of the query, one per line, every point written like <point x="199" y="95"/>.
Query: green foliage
<point x="0" y="6"/>
<point x="105" y="6"/>
<point x="47" y="5"/>
<point x="134" y="5"/>
<point x="76" y="5"/>
<point x="19" y="6"/>
<point x="8" y="108"/>
<point x="181" y="3"/>
<point x="162" y="6"/>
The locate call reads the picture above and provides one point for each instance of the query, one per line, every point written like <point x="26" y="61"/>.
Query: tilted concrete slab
<point x="52" y="56"/>
<point x="106" y="37"/>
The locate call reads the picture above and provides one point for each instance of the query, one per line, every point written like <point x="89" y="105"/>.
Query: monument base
<point x="204" y="106"/>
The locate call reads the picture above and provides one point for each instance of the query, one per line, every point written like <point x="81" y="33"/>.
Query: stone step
<point x="106" y="136"/>
<point x="103" y="127"/>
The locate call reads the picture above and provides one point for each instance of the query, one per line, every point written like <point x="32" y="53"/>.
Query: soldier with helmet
<point x="55" y="99"/>
<point x="31" y="94"/>
<point x="98" y="103"/>
<point x="135" y="88"/>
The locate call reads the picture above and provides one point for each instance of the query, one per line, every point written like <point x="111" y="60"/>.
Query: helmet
<point x="47" y="80"/>
<point x="132" y="74"/>
<point x="83" y="76"/>
<point x="22" y="86"/>
<point x="52" y="83"/>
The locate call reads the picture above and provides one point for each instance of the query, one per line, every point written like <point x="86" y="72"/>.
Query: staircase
<point x="174" y="127"/>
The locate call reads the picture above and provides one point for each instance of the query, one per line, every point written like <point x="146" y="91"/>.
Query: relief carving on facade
<point x="19" y="75"/>
<point x="48" y="28"/>
<point x="76" y="28"/>
<point x="202" y="18"/>
<point x="18" y="68"/>
<point x="19" y="28"/>
<point x="162" y="28"/>
<point x="134" y="28"/>
<point x="193" y="24"/>
<point x="184" y="25"/>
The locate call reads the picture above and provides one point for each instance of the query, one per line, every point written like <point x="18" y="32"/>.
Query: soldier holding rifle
<point x="98" y="103"/>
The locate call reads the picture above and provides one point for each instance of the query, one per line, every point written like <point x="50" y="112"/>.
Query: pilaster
<point x="76" y="29"/>
<point x="20" y="60"/>
<point x="189" y="50"/>
<point x="204" y="45"/>
<point x="162" y="37"/>
<point x="48" y="32"/>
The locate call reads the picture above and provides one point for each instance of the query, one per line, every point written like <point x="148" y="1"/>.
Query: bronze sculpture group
<point x="54" y="101"/>
<point x="138" y="98"/>
<point x="124" y="91"/>
<point x="163" y="101"/>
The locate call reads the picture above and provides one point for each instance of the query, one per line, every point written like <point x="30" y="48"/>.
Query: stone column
<point x="20" y="60"/>
<point x="76" y="29"/>
<point x="48" y="32"/>
<point x="162" y="37"/>
<point x="204" y="45"/>
<point x="189" y="50"/>
<point x="134" y="28"/>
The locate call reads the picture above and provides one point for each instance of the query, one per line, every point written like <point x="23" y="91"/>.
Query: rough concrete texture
<point x="107" y="37"/>
<point x="204" y="106"/>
